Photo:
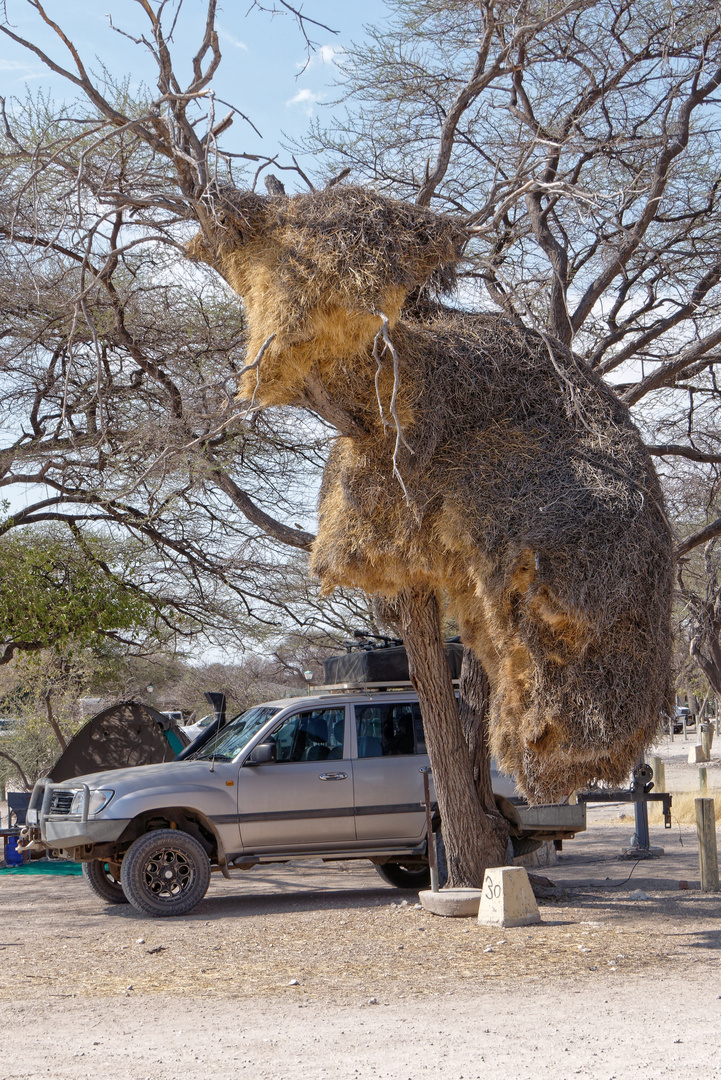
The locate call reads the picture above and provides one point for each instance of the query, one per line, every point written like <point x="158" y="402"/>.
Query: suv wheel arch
<point x="185" y="819"/>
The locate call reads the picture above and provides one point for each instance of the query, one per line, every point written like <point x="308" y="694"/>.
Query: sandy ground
<point x="311" y="971"/>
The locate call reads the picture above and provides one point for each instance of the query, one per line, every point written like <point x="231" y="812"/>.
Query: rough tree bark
<point x="475" y="692"/>
<point x="475" y="835"/>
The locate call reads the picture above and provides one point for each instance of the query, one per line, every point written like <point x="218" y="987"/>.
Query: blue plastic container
<point x="13" y="857"/>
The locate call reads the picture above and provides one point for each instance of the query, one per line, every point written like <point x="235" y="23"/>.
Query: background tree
<point x="700" y="620"/>
<point x="59" y="592"/>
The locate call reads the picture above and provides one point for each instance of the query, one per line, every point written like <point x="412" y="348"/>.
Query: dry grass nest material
<point x="344" y="245"/>
<point x="533" y="505"/>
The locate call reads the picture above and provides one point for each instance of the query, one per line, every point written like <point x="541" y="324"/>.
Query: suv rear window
<point x="389" y="729"/>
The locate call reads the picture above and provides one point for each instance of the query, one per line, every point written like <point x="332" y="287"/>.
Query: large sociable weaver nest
<point x="475" y="456"/>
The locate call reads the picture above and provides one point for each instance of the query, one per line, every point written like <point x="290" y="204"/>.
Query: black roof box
<point x="380" y="665"/>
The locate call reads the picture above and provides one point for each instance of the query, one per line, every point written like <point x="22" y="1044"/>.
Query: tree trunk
<point x="16" y="764"/>
<point x="475" y="836"/>
<point x="710" y="664"/>
<point x="53" y="722"/>
<point x="475" y="692"/>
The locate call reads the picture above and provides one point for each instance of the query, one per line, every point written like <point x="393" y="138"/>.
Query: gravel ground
<point x="311" y="970"/>
<point x="316" y="970"/>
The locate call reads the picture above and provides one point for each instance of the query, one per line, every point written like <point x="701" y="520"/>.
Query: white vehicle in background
<point x="173" y="714"/>
<point x="193" y="730"/>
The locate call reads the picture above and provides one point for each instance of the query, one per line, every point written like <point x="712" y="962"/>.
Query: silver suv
<point x="333" y="776"/>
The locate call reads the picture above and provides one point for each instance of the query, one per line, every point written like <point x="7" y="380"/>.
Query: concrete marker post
<point x="507" y="898"/>
<point x="707" y="849"/>
<point x="702" y="781"/>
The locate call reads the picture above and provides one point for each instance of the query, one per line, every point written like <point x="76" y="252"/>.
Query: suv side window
<point x="389" y="729"/>
<point x="316" y="735"/>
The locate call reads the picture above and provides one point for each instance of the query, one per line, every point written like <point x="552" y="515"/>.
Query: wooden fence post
<point x="707" y="850"/>
<point x="707" y="739"/>
<point x="659" y="773"/>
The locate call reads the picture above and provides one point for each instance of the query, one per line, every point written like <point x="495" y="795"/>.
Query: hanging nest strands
<point x="484" y="460"/>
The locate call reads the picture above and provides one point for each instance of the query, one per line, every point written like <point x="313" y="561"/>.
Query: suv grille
<point x="61" y="801"/>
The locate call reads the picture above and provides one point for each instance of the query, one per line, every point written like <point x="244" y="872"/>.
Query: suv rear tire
<point x="165" y="872"/>
<point x="405" y="877"/>
<point x="98" y="876"/>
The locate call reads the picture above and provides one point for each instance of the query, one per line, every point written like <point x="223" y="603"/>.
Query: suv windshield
<point x="237" y="734"/>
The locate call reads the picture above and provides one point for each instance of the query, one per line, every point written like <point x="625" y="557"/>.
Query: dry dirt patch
<point x="336" y="933"/>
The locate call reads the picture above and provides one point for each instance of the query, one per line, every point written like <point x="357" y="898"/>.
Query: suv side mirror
<point x="264" y="754"/>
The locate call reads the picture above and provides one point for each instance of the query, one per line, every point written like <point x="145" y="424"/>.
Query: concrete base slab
<point x="453" y="903"/>
<point x="507" y="898"/>
<point x="642" y="853"/>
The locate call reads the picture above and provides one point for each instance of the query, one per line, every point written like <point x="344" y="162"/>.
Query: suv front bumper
<point x="69" y="830"/>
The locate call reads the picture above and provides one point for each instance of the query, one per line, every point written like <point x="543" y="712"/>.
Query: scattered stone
<point x="372" y="1001"/>
<point x="140" y="941"/>
<point x="639" y="894"/>
<point x="294" y="982"/>
<point x="684" y="885"/>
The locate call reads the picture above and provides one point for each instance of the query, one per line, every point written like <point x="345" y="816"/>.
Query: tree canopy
<point x="56" y="592"/>
<point x="578" y="140"/>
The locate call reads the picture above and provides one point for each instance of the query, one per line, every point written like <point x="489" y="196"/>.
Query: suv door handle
<point x="333" y="776"/>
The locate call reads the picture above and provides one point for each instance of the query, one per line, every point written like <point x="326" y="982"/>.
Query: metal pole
<point x="643" y="838"/>
<point x="432" y="861"/>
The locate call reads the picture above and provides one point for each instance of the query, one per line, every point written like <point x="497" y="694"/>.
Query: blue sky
<point x="265" y="71"/>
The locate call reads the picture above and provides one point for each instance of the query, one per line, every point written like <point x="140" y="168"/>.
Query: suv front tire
<point x="165" y="872"/>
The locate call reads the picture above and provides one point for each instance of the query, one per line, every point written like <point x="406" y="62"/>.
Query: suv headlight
<point x="98" y="800"/>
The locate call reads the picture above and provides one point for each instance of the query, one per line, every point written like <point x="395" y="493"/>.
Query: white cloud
<point x="331" y="54"/>
<point x="306" y="99"/>
<point x="13" y="65"/>
<point x="324" y="55"/>
<point x="234" y="41"/>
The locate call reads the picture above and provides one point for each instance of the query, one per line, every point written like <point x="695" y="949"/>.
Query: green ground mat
<point x="65" y="868"/>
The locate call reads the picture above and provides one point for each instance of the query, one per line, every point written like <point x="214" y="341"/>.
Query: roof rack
<point x="344" y="687"/>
